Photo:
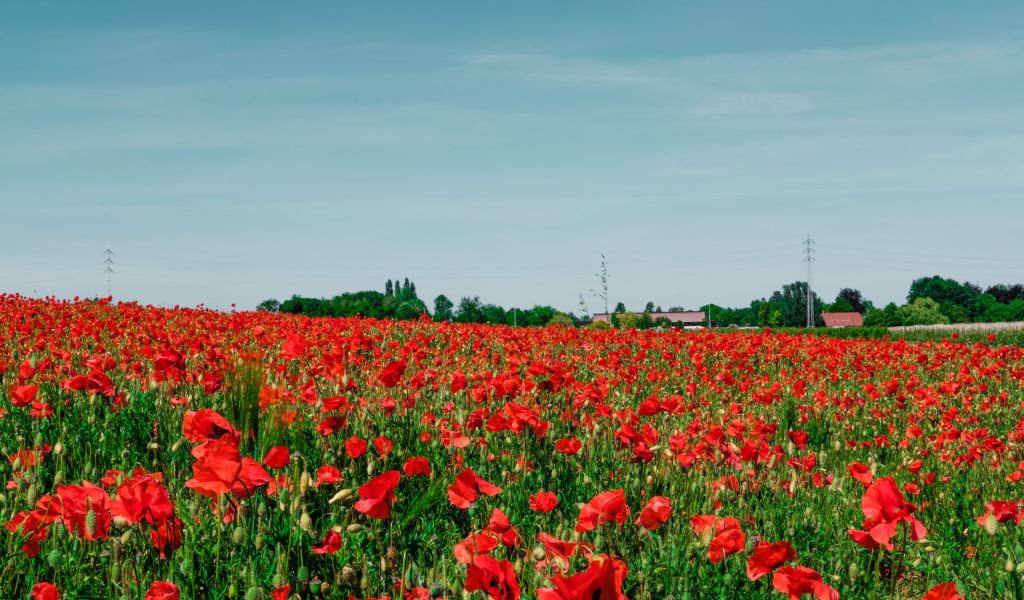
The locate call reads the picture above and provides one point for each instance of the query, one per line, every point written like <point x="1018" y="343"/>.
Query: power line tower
<point x="809" y="258"/>
<point x="108" y="261"/>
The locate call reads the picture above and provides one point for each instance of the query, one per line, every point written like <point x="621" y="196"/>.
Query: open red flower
<point x="496" y="578"/>
<point x="605" y="507"/>
<point x="392" y="373"/>
<point x="543" y="502"/>
<point x="205" y="424"/>
<point x="729" y="539"/>
<point x="655" y="513"/>
<point x="277" y="457"/>
<point x="943" y="591"/>
<point x="767" y="557"/>
<point x="884" y="508"/>
<point x="378" y="495"/>
<point x="603" y="579"/>
<point x="329" y="544"/>
<point x="559" y="552"/>
<point x="861" y="472"/>
<point x="23" y="395"/>
<point x="797" y="581"/>
<point x="45" y="591"/>
<point x="162" y="590"/>
<point x="467" y="488"/>
<point x="417" y="465"/>
<point x="568" y="446"/>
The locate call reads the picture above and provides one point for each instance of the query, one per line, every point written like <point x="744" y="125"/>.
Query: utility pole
<point x="808" y="258"/>
<point x="109" y="262"/>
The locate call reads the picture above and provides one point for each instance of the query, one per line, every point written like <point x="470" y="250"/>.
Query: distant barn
<point x="683" y="317"/>
<point x="842" y="319"/>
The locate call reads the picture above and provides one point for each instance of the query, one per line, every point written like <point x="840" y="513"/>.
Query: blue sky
<point x="233" y="152"/>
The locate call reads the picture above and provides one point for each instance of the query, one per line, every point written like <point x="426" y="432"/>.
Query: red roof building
<point x="843" y="319"/>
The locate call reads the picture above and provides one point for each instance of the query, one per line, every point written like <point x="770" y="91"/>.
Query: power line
<point x="109" y="262"/>
<point x="808" y="258"/>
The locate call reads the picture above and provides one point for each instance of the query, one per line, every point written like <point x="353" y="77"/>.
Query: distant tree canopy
<point x="932" y="299"/>
<point x="399" y="301"/>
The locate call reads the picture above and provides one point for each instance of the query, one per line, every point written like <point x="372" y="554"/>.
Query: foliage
<point x="922" y="311"/>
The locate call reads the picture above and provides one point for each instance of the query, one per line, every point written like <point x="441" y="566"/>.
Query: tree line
<point x="400" y="301"/>
<point x="930" y="300"/>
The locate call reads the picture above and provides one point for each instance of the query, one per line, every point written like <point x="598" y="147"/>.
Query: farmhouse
<point x="687" y="318"/>
<point x="842" y="319"/>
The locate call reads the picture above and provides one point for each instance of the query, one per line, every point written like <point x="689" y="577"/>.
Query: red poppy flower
<point x="327" y="474"/>
<point x="166" y="537"/>
<point x="23" y="395"/>
<point x="392" y="373"/>
<point x="884" y="507"/>
<point x="797" y="581"/>
<point x="378" y="495"/>
<point x="294" y="347"/>
<point x="602" y="579"/>
<point x="861" y="472"/>
<point x="656" y="512"/>
<point x="281" y="593"/>
<point x="496" y="578"/>
<point x="563" y="551"/>
<point x="475" y="544"/>
<point x="162" y="590"/>
<point x="329" y="544"/>
<point x="45" y="591"/>
<point x="417" y="465"/>
<point x="277" y="457"/>
<point x="729" y="539"/>
<point x="568" y="446"/>
<point x="605" y="507"/>
<point x="767" y="557"/>
<point x="467" y="488"/>
<point x="943" y="591"/>
<point x="355" y="447"/>
<point x="1003" y="512"/>
<point x="543" y="502"/>
<point x="142" y="499"/>
<point x="383" y="445"/>
<point x="205" y="424"/>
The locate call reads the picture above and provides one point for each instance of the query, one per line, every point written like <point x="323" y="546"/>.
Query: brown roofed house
<point x="842" y="319"/>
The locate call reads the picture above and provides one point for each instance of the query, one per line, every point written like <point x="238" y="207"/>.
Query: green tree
<point x="620" y="307"/>
<point x="854" y="299"/>
<point x="470" y="310"/>
<point x="389" y="288"/>
<point x="269" y="305"/>
<point x="922" y="311"/>
<point x="560" y="320"/>
<point x="791" y="302"/>
<point x="443" y="308"/>
<point x="409" y="310"/>
<point x="649" y="307"/>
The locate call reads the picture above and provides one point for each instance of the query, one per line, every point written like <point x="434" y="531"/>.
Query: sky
<point x="233" y="152"/>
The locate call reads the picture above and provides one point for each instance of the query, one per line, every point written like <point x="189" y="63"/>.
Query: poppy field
<point x="186" y="453"/>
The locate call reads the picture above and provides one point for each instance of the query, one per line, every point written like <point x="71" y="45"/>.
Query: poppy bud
<point x="232" y="590"/>
<point x="127" y="535"/>
<point x="303" y="483"/>
<point x="59" y="477"/>
<point x="254" y="593"/>
<point x="260" y="541"/>
<point x="853" y="571"/>
<point x="303" y="573"/>
<point x="538" y="553"/>
<point x="354" y="527"/>
<point x="53" y="558"/>
<point x="90" y="522"/>
<point x="348" y="575"/>
<point x="305" y="523"/>
<point x="1009" y="566"/>
<point x="345" y="493"/>
<point x="177" y="445"/>
<point x="58" y="449"/>
<point x="238" y="535"/>
<point x="991" y="524"/>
